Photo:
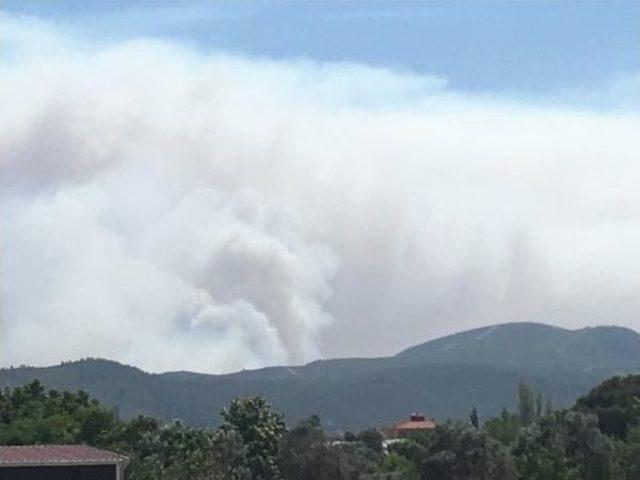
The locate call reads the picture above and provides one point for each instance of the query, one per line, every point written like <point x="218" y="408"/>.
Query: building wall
<point x="94" y="472"/>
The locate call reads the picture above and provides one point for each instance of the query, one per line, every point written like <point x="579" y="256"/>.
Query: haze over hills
<point x="444" y="378"/>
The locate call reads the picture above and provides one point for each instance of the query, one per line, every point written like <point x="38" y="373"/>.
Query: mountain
<point x="534" y="345"/>
<point x="444" y="378"/>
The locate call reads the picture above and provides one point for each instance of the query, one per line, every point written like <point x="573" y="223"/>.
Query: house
<point x="60" y="462"/>
<point x="417" y="422"/>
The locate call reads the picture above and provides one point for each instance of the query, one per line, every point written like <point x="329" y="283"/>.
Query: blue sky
<point x="535" y="48"/>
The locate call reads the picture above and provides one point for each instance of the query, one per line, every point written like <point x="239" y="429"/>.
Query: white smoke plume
<point x="181" y="210"/>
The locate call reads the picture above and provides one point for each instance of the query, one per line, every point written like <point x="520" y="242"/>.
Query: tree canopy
<point x="597" y="439"/>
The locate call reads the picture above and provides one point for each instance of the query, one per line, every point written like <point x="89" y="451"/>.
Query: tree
<point x="539" y="405"/>
<point x="185" y="453"/>
<point x="352" y="461"/>
<point x="628" y="456"/>
<point x="504" y="428"/>
<point x="260" y="430"/>
<point x="415" y="449"/>
<point x="545" y="463"/>
<point x="95" y="422"/>
<point x="458" y="452"/>
<point x="304" y="452"/>
<point x="30" y="415"/>
<point x="565" y="446"/>
<point x="349" y="436"/>
<point x="526" y="403"/>
<point x="548" y="409"/>
<point x="473" y="417"/>
<point x="616" y="402"/>
<point x="372" y="439"/>
<point x="229" y="457"/>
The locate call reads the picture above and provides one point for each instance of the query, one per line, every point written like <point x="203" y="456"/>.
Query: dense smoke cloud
<point x="177" y="210"/>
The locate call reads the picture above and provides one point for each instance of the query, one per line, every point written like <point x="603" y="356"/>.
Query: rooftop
<point x="57" y="455"/>
<point x="417" y="421"/>
<point x="412" y="425"/>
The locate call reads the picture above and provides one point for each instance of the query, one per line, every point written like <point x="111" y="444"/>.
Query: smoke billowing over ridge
<point x="177" y="210"/>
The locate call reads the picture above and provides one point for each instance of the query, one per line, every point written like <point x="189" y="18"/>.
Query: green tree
<point x="628" y="456"/>
<point x="260" y="429"/>
<point x="229" y="457"/>
<point x="526" y="403"/>
<point x="616" y="402"/>
<point x="545" y="463"/>
<point x="457" y="452"/>
<point x="399" y="465"/>
<point x="567" y="445"/>
<point x="505" y="428"/>
<point x="548" y="408"/>
<point x="539" y="405"/>
<point x="372" y="439"/>
<point x="352" y="461"/>
<point x="30" y="415"/>
<point x="304" y="452"/>
<point x="415" y="449"/>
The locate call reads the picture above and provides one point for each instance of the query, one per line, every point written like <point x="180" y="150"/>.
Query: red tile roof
<point x="57" y="455"/>
<point x="416" y="425"/>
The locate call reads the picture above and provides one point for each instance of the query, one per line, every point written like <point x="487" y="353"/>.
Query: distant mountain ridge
<point x="444" y="378"/>
<point x="535" y="344"/>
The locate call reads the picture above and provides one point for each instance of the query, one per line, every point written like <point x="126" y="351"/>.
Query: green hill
<point x="444" y="378"/>
<point x="535" y="345"/>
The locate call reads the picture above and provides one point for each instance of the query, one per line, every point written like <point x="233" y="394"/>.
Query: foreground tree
<point x="307" y="453"/>
<point x="565" y="446"/>
<point x="372" y="439"/>
<point x="29" y="415"/>
<point x="616" y="403"/>
<point x="458" y="452"/>
<point x="260" y="430"/>
<point x="304" y="452"/>
<point x="628" y="456"/>
<point x="504" y="428"/>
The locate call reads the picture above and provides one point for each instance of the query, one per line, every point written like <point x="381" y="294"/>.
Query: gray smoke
<point x="177" y="210"/>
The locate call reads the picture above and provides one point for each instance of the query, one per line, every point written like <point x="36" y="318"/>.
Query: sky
<point x="519" y="47"/>
<point x="213" y="186"/>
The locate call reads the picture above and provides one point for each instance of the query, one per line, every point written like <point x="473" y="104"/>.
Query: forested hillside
<point x="444" y="378"/>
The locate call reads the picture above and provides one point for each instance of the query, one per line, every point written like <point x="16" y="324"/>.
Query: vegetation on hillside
<point x="597" y="439"/>
<point x="446" y="377"/>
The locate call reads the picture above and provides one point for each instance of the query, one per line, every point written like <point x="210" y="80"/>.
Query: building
<point x="417" y="422"/>
<point x="60" y="462"/>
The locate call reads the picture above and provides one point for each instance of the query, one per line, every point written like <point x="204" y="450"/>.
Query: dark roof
<point x="57" y="455"/>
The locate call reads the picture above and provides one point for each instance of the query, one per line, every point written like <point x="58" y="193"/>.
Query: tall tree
<point x="260" y="430"/>
<point x="304" y="452"/>
<point x="526" y="403"/>
<point x="474" y="418"/>
<point x="539" y="405"/>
